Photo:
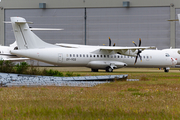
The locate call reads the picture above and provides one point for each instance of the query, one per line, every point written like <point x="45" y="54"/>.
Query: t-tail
<point x="25" y="38"/>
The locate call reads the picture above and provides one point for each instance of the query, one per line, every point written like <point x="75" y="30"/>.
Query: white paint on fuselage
<point x="175" y="53"/>
<point x="82" y="56"/>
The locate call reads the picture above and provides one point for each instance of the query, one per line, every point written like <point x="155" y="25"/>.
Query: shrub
<point x="6" y="66"/>
<point x="34" y="71"/>
<point x="22" y="68"/>
<point x="69" y="74"/>
<point x="51" y="73"/>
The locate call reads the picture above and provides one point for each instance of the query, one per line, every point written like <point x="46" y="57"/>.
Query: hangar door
<point x="125" y="25"/>
<point x="177" y="30"/>
<point x="71" y="20"/>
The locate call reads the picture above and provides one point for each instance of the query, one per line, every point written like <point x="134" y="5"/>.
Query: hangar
<point x="91" y="22"/>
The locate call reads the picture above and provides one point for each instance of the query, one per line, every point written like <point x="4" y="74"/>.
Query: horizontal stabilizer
<point x="19" y="22"/>
<point x="15" y="59"/>
<point x="38" y="29"/>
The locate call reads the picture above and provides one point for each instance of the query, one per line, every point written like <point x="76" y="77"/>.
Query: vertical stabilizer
<point x="25" y="38"/>
<point x="179" y="18"/>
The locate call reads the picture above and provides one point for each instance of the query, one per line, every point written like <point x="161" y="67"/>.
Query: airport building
<point x="91" y="22"/>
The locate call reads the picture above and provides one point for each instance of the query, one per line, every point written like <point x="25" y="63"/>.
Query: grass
<point x="155" y="96"/>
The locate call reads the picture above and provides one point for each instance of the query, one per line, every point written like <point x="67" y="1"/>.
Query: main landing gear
<point x="94" y="70"/>
<point x="108" y="69"/>
<point x="166" y="69"/>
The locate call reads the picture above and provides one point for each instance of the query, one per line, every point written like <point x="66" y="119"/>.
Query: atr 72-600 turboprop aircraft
<point x="149" y="58"/>
<point x="96" y="57"/>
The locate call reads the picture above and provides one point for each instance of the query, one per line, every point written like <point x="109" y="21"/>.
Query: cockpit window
<point x="167" y="55"/>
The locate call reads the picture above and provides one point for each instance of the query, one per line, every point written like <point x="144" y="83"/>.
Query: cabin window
<point x="121" y="56"/>
<point x="83" y="55"/>
<point x="124" y="56"/>
<point x="70" y="55"/>
<point x="80" y="55"/>
<point x="94" y="55"/>
<point x="107" y="56"/>
<point x="111" y="56"/>
<point x="77" y="55"/>
<point x="147" y="57"/>
<point x="114" y="56"/>
<point x="104" y="56"/>
<point x="118" y="56"/>
<point x="167" y="55"/>
<point x="73" y="55"/>
<point x="101" y="56"/>
<point x="97" y="55"/>
<point x="86" y="55"/>
<point x="90" y="55"/>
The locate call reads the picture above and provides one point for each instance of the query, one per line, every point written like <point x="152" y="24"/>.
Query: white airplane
<point x="148" y="58"/>
<point x="94" y="57"/>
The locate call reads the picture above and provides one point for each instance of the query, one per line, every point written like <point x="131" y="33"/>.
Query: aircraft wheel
<point x="165" y="70"/>
<point x="109" y="69"/>
<point x="94" y="70"/>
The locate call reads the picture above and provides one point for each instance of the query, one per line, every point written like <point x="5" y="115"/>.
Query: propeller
<point x="139" y="51"/>
<point x="110" y="42"/>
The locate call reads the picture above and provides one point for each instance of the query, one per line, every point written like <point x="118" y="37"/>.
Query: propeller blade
<point x="135" y="60"/>
<point x="109" y="41"/>
<point x="134" y="43"/>
<point x="139" y="42"/>
<point x="140" y="57"/>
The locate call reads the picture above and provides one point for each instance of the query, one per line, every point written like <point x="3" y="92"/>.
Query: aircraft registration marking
<point x="70" y="59"/>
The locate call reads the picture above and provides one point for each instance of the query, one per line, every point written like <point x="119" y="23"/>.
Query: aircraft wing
<point x="129" y="51"/>
<point x="71" y="45"/>
<point x="10" y="57"/>
<point x="14" y="59"/>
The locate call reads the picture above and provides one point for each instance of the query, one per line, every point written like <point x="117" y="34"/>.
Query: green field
<point x="155" y="96"/>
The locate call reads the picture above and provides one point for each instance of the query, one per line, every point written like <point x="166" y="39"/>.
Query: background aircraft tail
<point x="179" y="18"/>
<point x="25" y="38"/>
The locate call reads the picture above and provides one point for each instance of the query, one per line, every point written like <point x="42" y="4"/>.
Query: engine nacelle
<point x="104" y="64"/>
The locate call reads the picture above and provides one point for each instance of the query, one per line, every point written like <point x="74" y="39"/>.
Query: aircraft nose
<point x="174" y="61"/>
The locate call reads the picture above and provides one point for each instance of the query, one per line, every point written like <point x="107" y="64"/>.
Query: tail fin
<point x="25" y="38"/>
<point x="179" y="18"/>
